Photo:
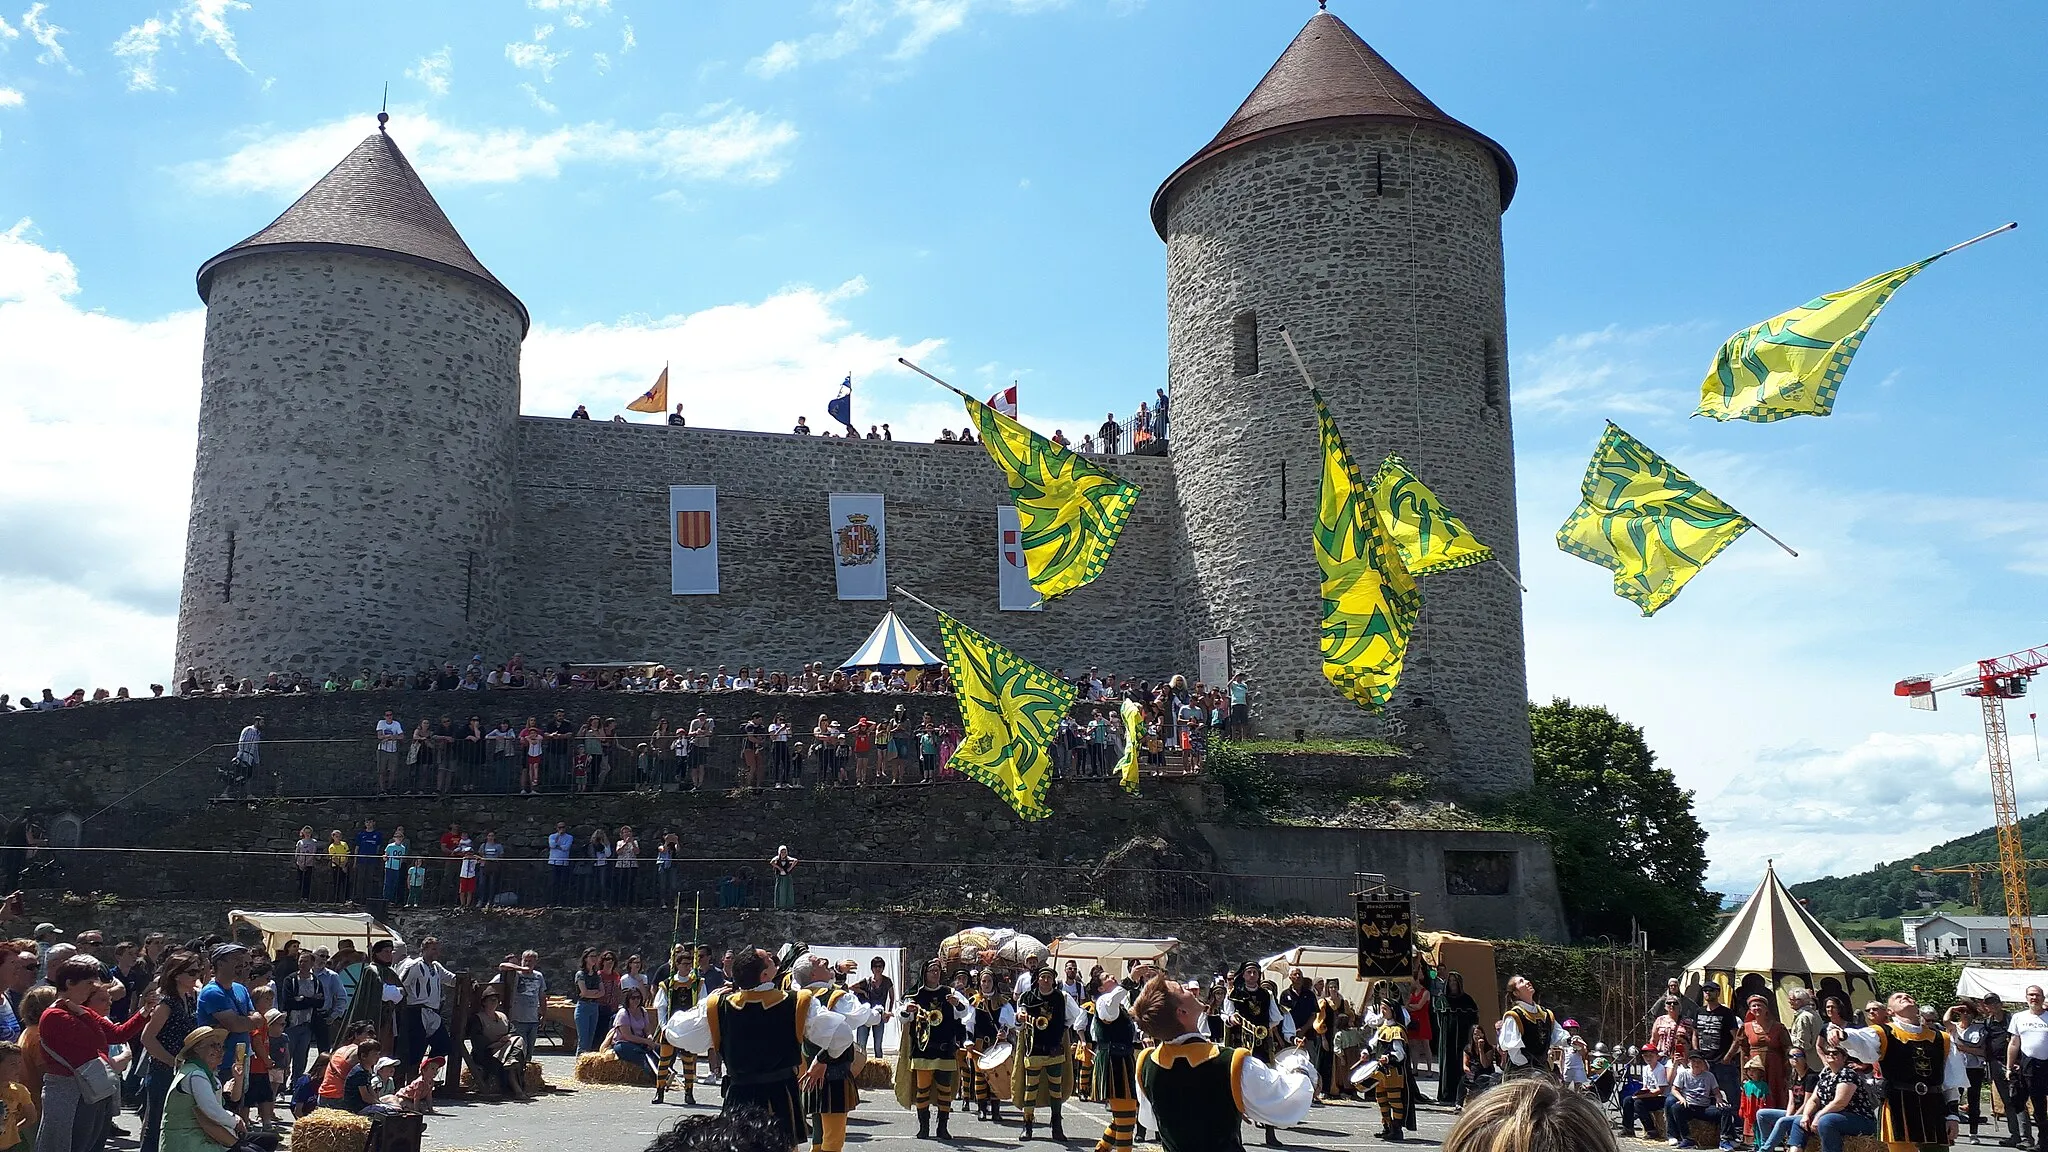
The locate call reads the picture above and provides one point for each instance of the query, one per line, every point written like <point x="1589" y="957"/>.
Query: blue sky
<point x="772" y="195"/>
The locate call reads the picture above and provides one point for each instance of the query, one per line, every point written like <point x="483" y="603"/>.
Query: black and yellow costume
<point x="1915" y="1066"/>
<point x="1390" y="1082"/>
<point x="988" y="1031"/>
<point x="1116" y="1073"/>
<point x="684" y="989"/>
<point x="928" y="1063"/>
<point x="827" y="1105"/>
<point x="1042" y="1072"/>
<point x="1195" y="1089"/>
<point x="760" y="1038"/>
<point x="1537" y="1026"/>
<point x="1251" y="1024"/>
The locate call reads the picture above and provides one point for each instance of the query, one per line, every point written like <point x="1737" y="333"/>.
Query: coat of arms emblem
<point x="857" y="541"/>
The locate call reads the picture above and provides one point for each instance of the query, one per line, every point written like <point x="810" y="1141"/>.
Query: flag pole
<point x="1295" y="355"/>
<point x="905" y="592"/>
<point x="947" y="387"/>
<point x="2005" y="227"/>
<point x="1774" y="539"/>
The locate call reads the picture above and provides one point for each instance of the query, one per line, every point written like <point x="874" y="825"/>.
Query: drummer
<point x="1197" y="1095"/>
<point x="995" y="1018"/>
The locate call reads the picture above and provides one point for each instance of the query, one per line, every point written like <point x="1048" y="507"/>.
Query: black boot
<point x="1272" y="1138"/>
<point x="1030" y="1124"/>
<point x="659" y="1093"/>
<point x="690" y="1094"/>
<point x="944" y="1115"/>
<point x="1137" y="1133"/>
<point x="1058" y="1135"/>
<point x="995" y="1111"/>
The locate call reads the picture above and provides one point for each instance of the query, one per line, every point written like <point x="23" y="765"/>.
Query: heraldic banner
<point x="693" y="540"/>
<point x="859" y="546"/>
<point x="1386" y="936"/>
<point x="1013" y="578"/>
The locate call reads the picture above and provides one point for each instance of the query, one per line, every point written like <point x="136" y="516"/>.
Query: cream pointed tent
<point x="1773" y="945"/>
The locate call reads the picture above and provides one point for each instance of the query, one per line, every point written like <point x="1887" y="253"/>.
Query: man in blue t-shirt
<point x="369" y="859"/>
<point x="224" y="1003"/>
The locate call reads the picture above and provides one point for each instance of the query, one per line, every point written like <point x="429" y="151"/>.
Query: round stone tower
<point x="1340" y="203"/>
<point x="359" y="401"/>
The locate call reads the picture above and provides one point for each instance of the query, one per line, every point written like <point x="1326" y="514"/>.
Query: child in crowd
<point x="465" y="884"/>
<point x="416" y="884"/>
<point x="1754" y="1092"/>
<point x="17" y="1104"/>
<point x="417" y="1096"/>
<point x="1572" y="1067"/>
<point x="530" y="736"/>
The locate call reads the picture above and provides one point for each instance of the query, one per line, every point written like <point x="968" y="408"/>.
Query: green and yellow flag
<point x="1370" y="601"/>
<point x="1793" y="363"/>
<point x="1011" y="710"/>
<point x="1070" y="511"/>
<point x="1646" y="520"/>
<point x="1134" y="735"/>
<point x="1429" y="538"/>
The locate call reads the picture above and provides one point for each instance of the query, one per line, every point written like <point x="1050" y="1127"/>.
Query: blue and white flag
<point x="841" y="406"/>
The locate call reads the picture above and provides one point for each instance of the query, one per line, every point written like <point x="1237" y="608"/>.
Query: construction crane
<point x="1976" y="871"/>
<point x="1993" y="682"/>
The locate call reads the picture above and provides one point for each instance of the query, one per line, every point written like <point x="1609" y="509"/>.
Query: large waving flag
<point x="1134" y="736"/>
<point x="1370" y="601"/>
<point x="1646" y="520"/>
<point x="655" y="399"/>
<point x="840" y="407"/>
<point x="1429" y="538"/>
<point x="1069" y="510"/>
<point x="1793" y="363"/>
<point x="1011" y="710"/>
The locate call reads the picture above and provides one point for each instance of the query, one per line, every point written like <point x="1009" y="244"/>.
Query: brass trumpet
<point x="1041" y="1022"/>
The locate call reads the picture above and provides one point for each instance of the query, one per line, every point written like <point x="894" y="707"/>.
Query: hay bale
<point x="877" y="1074"/>
<point x="330" y="1130"/>
<point x="535" y="1082"/>
<point x="1704" y="1133"/>
<point x="606" y="1068"/>
<point x="1862" y="1144"/>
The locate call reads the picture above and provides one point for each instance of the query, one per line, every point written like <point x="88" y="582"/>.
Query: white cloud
<point x="1613" y="371"/>
<point x="574" y="13"/>
<point x="203" y="21"/>
<point x="535" y="55"/>
<point x="601" y="62"/>
<point x="96" y="534"/>
<point x="912" y="26"/>
<point x="8" y="31"/>
<point x="433" y="70"/>
<point x="628" y="40"/>
<point x="723" y="143"/>
<point x="45" y="33"/>
<point x="539" y="101"/>
<point x="11" y="98"/>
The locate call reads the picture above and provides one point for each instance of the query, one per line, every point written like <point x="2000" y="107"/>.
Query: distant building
<point x="1948" y="934"/>
<point x="1879" y="949"/>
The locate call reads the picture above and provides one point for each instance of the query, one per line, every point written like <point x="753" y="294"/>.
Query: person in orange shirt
<point x="17" y="1103"/>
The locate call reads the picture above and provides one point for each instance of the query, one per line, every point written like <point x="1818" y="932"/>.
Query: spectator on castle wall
<point x="675" y="420"/>
<point x="581" y="413"/>
<point x="338" y="865"/>
<point x="446" y="738"/>
<point x="1240" y="705"/>
<point x="394" y="865"/>
<point x="1087" y="445"/>
<point x="1110" y="432"/>
<point x="532" y="741"/>
<point x="1159" y="414"/>
<point x="782" y="864"/>
<point x="420" y="756"/>
<point x="389" y="733"/>
<point x="305" y="854"/>
<point x="369" y="844"/>
<point x="1059" y="437"/>
<point x="886" y="434"/>
<point x="665" y="870"/>
<point x="802" y="428"/>
<point x="597" y="857"/>
<point x="626" y="867"/>
<point x="503" y="743"/>
<point x="702" y="728"/>
<point x="470" y="754"/>
<point x="561" y="842"/>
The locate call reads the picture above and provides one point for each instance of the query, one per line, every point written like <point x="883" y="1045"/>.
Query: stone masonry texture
<point x="1378" y="247"/>
<point x="357" y="428"/>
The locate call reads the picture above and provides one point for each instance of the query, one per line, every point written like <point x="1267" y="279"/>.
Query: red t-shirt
<point x="83" y="1037"/>
<point x="448" y="842"/>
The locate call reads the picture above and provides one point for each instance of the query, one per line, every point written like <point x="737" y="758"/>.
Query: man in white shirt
<point x="389" y="732"/>
<point x="2027" y="1053"/>
<point x="1923" y="1072"/>
<point x="761" y="1033"/>
<point x="1189" y="1088"/>
<point x="1528" y="1025"/>
<point x="422" y="1031"/>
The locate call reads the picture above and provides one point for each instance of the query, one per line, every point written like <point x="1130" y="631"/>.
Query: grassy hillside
<point x="1856" y="905"/>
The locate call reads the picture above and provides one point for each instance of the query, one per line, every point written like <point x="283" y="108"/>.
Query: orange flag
<point x="655" y="399"/>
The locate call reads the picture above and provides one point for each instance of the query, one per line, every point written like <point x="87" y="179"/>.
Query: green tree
<point x="1622" y="832"/>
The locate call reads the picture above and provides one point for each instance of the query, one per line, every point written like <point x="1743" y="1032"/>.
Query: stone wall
<point x="1378" y="247"/>
<point x="591" y="580"/>
<point x="353" y="491"/>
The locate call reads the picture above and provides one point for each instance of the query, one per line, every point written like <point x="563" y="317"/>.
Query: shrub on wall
<point x="1933" y="985"/>
<point x="1249" y="784"/>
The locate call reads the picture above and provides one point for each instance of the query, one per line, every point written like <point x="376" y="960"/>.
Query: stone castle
<point x="367" y="494"/>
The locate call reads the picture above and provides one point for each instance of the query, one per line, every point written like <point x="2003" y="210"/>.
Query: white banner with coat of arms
<point x="693" y="540"/>
<point x="1013" y="582"/>
<point x="859" y="546"/>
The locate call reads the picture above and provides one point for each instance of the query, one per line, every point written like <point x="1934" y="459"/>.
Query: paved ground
<point x="601" y="1118"/>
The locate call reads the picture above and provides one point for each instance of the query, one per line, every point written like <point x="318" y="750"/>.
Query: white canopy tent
<point x="315" y="929"/>
<point x="1112" y="952"/>
<point x="2008" y="984"/>
<point x="1318" y="962"/>
<point x="892" y="645"/>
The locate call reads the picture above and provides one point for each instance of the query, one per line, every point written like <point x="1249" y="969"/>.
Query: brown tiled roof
<point x="374" y="203"/>
<point x="1327" y="76"/>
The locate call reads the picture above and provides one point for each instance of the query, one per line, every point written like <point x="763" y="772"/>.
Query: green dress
<point x="181" y="1117"/>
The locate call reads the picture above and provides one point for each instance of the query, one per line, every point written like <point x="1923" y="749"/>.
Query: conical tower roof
<point x="371" y="203"/>
<point x="1328" y="76"/>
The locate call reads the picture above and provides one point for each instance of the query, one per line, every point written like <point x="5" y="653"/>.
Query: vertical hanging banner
<point x="1386" y="935"/>
<point x="1013" y="579"/>
<point x="859" y="545"/>
<point x="693" y="540"/>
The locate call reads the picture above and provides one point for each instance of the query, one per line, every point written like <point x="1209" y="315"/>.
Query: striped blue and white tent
<point x="891" y="645"/>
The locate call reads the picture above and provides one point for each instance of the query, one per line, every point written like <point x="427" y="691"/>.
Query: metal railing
<point x="530" y="881"/>
<point x="355" y="767"/>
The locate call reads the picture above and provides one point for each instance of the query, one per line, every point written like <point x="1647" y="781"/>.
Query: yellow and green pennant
<point x="1011" y="709"/>
<point x="1429" y="538"/>
<point x="1646" y="520"/>
<point x="1793" y="363"/>
<point x="1134" y="737"/>
<point x="1069" y="511"/>
<point x="1370" y="601"/>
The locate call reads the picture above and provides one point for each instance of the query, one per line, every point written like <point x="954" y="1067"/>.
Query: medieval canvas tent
<point x="315" y="929"/>
<point x="891" y="645"/>
<point x="1773" y="945"/>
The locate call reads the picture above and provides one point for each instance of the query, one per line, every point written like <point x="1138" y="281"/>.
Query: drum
<point x="995" y="1066"/>
<point x="1295" y="1060"/>
<point x="1365" y="1073"/>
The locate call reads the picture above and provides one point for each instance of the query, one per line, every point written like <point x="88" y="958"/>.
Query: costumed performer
<point x="1197" y="1095"/>
<point x="1042" y="1071"/>
<point x="936" y="1019"/>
